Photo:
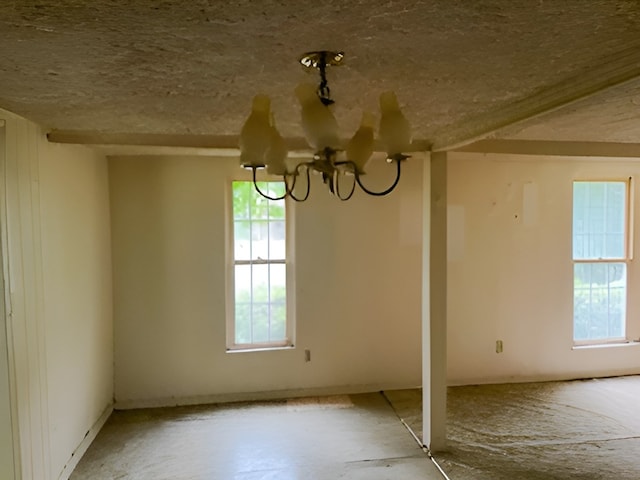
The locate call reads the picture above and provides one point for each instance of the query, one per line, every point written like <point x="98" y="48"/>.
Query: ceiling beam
<point x="213" y="145"/>
<point x="616" y="70"/>
<point x="554" y="148"/>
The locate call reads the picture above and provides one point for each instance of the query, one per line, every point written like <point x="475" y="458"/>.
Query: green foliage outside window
<point x="247" y="203"/>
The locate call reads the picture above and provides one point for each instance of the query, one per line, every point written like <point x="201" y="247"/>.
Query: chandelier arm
<point x="289" y="188"/>
<point x="255" y="185"/>
<point x="306" y="195"/>
<point x="384" y="192"/>
<point x="336" y="187"/>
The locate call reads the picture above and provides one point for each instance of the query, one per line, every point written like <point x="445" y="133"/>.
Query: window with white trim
<point x="258" y="277"/>
<point x="600" y="259"/>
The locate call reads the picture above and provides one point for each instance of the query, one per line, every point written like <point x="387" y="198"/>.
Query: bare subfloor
<point x="352" y="437"/>
<point x="536" y="431"/>
<point x="584" y="429"/>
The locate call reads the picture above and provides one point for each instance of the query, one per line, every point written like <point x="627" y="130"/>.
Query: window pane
<point x="260" y="298"/>
<point x="260" y="322"/>
<point x="243" y="323"/>
<point x="278" y="321"/>
<point x="599" y="220"/>
<point x="277" y="241"/>
<point x="599" y="301"/>
<point x="260" y="240"/>
<point x="259" y="226"/>
<point x="278" y="278"/>
<point x="262" y="208"/>
<point x="260" y="282"/>
<point x="277" y="210"/>
<point x="242" y="240"/>
<point x="278" y="312"/>
<point x="260" y="286"/>
<point x="242" y="195"/>
<point x="242" y="275"/>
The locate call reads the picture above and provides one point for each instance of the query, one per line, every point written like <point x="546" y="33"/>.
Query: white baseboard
<point x="84" y="444"/>
<point x="254" y="396"/>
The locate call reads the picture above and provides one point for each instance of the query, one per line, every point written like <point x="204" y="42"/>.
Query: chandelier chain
<point x="324" y="92"/>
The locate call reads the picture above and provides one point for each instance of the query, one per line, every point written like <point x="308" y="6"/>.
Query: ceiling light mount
<point x="262" y="146"/>
<point x="321" y="60"/>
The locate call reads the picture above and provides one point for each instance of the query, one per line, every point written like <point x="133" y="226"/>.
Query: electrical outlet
<point x="498" y="346"/>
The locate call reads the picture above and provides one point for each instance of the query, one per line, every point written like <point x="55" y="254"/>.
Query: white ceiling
<point x="463" y="70"/>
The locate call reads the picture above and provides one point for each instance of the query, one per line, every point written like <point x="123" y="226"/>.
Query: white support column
<point x="434" y="304"/>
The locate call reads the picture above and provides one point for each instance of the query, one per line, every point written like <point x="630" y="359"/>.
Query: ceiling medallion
<point x="262" y="146"/>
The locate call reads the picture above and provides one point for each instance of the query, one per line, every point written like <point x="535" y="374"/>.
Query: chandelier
<point x="341" y="166"/>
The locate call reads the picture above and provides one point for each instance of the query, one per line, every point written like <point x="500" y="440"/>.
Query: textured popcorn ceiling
<point x="461" y="69"/>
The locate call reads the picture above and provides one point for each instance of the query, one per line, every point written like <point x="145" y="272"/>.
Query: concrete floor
<point x="356" y="437"/>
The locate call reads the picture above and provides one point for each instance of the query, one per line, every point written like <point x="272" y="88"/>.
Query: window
<point x="258" y="317"/>
<point x="600" y="258"/>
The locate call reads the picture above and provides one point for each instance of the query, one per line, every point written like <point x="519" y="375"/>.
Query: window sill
<point x="260" y="349"/>
<point x="628" y="343"/>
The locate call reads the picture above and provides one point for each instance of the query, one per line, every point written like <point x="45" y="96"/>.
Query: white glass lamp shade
<point x="276" y="153"/>
<point x="395" y="131"/>
<point x="319" y="125"/>
<point x="360" y="147"/>
<point x="255" y="136"/>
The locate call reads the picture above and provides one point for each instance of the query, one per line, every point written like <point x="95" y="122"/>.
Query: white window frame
<point x="626" y="259"/>
<point x="289" y="341"/>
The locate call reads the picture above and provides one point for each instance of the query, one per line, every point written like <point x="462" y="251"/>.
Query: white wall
<point x="23" y="284"/>
<point x="358" y="274"/>
<point x="510" y="271"/>
<point x="76" y="254"/>
<point x="56" y="251"/>
<point x="7" y="467"/>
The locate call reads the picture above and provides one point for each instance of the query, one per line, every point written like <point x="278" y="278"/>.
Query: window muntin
<point x="259" y="268"/>
<point x="600" y="255"/>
